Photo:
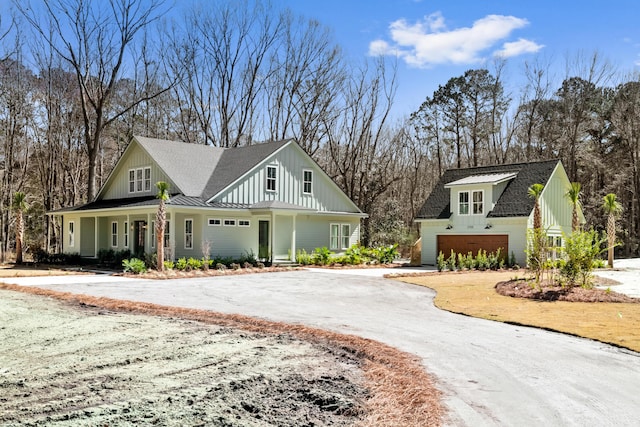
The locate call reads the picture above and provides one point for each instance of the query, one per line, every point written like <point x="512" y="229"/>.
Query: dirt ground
<point x="70" y="365"/>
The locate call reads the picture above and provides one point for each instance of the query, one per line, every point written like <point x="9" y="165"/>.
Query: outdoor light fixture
<point x="449" y="227"/>
<point x="488" y="226"/>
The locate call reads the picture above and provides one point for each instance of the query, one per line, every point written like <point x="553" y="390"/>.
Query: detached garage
<point x="465" y="243"/>
<point x="488" y="208"/>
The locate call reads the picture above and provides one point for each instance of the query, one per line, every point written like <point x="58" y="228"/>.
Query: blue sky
<point x="436" y="40"/>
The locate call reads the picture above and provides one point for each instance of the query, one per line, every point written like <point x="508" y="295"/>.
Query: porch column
<point x="272" y="237"/>
<point x="128" y="233"/>
<point x="147" y="235"/>
<point x="172" y="234"/>
<point x="95" y="235"/>
<point x="293" y="238"/>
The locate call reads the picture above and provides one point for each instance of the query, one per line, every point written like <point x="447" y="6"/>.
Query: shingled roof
<point x="201" y="170"/>
<point x="514" y="200"/>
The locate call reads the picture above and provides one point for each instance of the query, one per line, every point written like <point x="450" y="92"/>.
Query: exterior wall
<point x="515" y="228"/>
<point x="555" y="207"/>
<point x="471" y="221"/>
<point x="290" y="163"/>
<point x="136" y="157"/>
<point x="231" y="241"/>
<point x="314" y="231"/>
<point x="179" y="239"/>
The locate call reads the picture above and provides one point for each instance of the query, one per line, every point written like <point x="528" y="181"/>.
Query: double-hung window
<point x="272" y="178"/>
<point x="114" y="234"/>
<point x="188" y="234"/>
<point x="72" y="234"/>
<point x="307" y="181"/>
<point x="463" y="203"/>
<point x="339" y="236"/>
<point x="126" y="234"/>
<point x="139" y="180"/>
<point x="471" y="202"/>
<point x="478" y="205"/>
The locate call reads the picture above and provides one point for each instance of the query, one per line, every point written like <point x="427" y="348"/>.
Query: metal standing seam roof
<point x="490" y="178"/>
<point x="514" y="200"/>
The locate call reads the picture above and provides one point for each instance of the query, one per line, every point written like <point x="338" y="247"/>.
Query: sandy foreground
<point x="65" y="364"/>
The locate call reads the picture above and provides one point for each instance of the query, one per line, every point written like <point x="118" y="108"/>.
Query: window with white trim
<point x="126" y="234"/>
<point x="214" y="222"/>
<point x="139" y="180"/>
<point x="229" y="222"/>
<point x="339" y="236"/>
<point x="72" y="233"/>
<point x="166" y="234"/>
<point x="244" y="223"/>
<point x="114" y="234"/>
<point x="478" y="202"/>
<point x="307" y="181"/>
<point x="463" y="203"/>
<point x="188" y="234"/>
<point x="153" y="234"/>
<point x="272" y="177"/>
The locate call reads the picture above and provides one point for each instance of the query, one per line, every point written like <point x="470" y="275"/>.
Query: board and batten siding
<point x="136" y="157"/>
<point x="290" y="163"/>
<point x="555" y="206"/>
<point x="231" y="241"/>
<point x="314" y="231"/>
<point x="515" y="228"/>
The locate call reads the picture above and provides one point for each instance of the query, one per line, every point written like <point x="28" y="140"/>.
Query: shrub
<point x="169" y="265"/>
<point x="581" y="249"/>
<point x="234" y="266"/>
<point x="181" y="264"/>
<point x="386" y="254"/>
<point x="451" y="261"/>
<point x="134" y="265"/>
<point x="221" y="267"/>
<point x="303" y="258"/>
<point x="322" y="256"/>
<point x="260" y="265"/>
<point x="440" y="262"/>
<point x="194" y="264"/>
<point x="248" y="257"/>
<point x="247" y="265"/>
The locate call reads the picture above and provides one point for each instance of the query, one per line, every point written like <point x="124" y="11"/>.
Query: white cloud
<point x="520" y="47"/>
<point x="428" y="42"/>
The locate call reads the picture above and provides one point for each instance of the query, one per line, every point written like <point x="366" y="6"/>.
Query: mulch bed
<point x="523" y="288"/>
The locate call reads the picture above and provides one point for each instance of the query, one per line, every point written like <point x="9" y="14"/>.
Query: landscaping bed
<point x="521" y="288"/>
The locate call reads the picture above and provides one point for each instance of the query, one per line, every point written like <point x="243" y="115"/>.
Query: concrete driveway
<point x="491" y="373"/>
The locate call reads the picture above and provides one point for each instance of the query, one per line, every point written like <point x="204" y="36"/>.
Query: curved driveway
<point x="491" y="373"/>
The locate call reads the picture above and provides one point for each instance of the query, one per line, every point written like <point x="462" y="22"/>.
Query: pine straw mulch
<point x="402" y="393"/>
<point x="212" y="272"/>
<point x="526" y="288"/>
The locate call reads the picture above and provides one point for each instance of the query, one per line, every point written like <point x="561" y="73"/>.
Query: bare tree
<point x="93" y="38"/>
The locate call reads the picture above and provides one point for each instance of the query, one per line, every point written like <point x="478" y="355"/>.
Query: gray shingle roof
<point x="513" y="202"/>
<point x="188" y="165"/>
<point x="235" y="162"/>
<point x="201" y="170"/>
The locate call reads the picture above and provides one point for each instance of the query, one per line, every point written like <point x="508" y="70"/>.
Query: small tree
<point x="161" y="217"/>
<point x="19" y="205"/>
<point x="536" y="237"/>
<point x="581" y="250"/>
<point x="574" y="198"/>
<point x="613" y="209"/>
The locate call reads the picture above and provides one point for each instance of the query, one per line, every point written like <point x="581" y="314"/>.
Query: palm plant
<point x="574" y="198"/>
<point x="535" y="191"/>
<point x="612" y="208"/>
<point x="161" y="217"/>
<point x="535" y="259"/>
<point x="19" y="205"/>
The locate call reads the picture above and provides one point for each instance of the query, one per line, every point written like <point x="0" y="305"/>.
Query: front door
<point x="139" y="235"/>
<point x="263" y="240"/>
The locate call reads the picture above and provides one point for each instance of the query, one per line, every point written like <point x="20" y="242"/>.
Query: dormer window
<point x="478" y="205"/>
<point x="471" y="202"/>
<point x="139" y="180"/>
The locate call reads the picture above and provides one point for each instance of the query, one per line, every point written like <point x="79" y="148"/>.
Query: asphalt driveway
<point x="491" y="373"/>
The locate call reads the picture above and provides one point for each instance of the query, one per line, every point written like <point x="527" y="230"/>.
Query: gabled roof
<point x="514" y="200"/>
<point x="236" y="162"/>
<point x="188" y="165"/>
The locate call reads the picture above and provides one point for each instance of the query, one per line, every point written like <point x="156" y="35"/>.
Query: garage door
<point x="465" y="243"/>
